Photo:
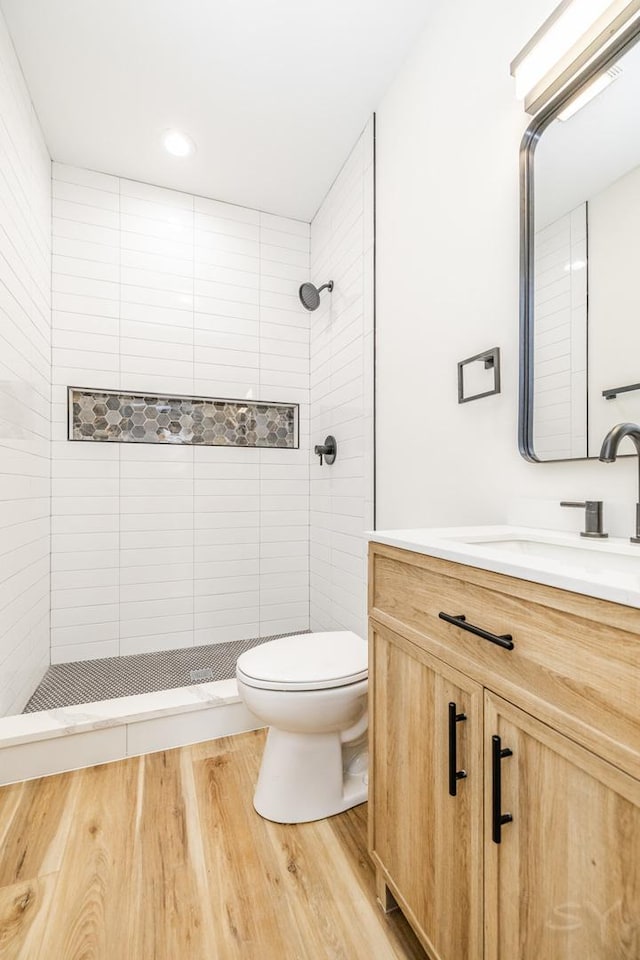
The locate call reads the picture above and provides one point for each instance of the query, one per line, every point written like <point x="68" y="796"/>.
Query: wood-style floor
<point x="162" y="857"/>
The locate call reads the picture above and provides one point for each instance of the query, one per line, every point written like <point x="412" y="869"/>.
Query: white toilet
<point x="311" y="690"/>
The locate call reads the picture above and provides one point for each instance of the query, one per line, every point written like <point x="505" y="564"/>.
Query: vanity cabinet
<point x="538" y="854"/>
<point x="565" y="880"/>
<point x="428" y="840"/>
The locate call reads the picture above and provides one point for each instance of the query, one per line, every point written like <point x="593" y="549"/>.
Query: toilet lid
<point x="308" y="661"/>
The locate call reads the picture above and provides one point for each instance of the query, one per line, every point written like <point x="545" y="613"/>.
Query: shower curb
<point x="55" y="741"/>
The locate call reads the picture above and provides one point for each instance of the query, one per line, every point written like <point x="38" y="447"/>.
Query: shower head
<point x="310" y="294"/>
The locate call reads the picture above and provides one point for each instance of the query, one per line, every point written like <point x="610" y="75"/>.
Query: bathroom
<point x="218" y="482"/>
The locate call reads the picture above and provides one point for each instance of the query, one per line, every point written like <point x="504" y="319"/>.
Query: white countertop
<point x="607" y="569"/>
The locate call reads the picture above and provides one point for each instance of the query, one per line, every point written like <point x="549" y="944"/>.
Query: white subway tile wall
<point x="25" y="356"/>
<point x="156" y="547"/>
<point x="560" y="350"/>
<point x="342" y="351"/>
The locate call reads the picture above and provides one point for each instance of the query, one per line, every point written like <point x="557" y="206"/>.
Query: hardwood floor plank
<point x="163" y="857"/>
<point x="250" y="743"/>
<point x="38" y="829"/>
<point x="10" y="800"/>
<point x="94" y="897"/>
<point x="351" y="830"/>
<point x="307" y="901"/>
<point x="318" y="913"/>
<point x="24" y="909"/>
<point x="248" y="896"/>
<point x="333" y="909"/>
<point x="195" y="839"/>
<point x="170" y="919"/>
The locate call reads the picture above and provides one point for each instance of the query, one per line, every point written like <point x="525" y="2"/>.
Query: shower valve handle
<point x="327" y="450"/>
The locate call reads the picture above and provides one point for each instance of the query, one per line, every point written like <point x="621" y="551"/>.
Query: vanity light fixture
<point x="566" y="42"/>
<point x="178" y="144"/>
<point x="590" y="93"/>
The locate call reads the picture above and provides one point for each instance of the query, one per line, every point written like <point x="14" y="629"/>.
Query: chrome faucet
<point x="609" y="453"/>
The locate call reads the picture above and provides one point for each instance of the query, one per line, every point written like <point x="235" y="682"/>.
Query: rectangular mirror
<point x="580" y="255"/>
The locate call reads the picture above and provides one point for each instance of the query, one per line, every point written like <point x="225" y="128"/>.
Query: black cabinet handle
<point x="454" y="773"/>
<point x="504" y="640"/>
<point x="498" y="817"/>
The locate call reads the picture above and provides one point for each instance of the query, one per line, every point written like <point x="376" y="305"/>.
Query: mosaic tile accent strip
<point x="85" y="681"/>
<point x="107" y="415"/>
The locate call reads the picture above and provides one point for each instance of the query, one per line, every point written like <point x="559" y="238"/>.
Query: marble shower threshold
<point x="91" y="681"/>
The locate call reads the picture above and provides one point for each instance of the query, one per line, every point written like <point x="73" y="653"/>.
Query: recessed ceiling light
<point x="178" y="144"/>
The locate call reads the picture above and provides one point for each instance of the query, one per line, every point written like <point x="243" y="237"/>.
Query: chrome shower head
<point x="310" y="294"/>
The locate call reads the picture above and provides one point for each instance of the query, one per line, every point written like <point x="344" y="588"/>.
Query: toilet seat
<point x="308" y="661"/>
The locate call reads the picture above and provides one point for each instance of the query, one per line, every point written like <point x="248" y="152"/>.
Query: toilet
<point x="311" y="691"/>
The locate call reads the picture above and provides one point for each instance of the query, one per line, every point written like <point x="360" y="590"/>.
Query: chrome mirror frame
<point x="610" y="55"/>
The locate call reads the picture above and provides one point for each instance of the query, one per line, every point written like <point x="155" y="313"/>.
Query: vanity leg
<point x="385" y="897"/>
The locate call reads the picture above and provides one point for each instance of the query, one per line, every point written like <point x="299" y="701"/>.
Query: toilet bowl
<point x="311" y="691"/>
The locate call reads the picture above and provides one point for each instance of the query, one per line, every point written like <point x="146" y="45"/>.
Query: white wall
<point x="25" y="346"/>
<point x="163" y="546"/>
<point x="448" y="136"/>
<point x="341" y="394"/>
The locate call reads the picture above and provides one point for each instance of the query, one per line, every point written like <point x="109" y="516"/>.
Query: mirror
<point x="580" y="297"/>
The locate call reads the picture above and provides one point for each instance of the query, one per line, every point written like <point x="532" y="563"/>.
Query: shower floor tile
<point x="85" y="681"/>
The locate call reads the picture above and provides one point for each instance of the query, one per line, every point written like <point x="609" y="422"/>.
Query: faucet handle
<point x="327" y="451"/>
<point x="594" y="517"/>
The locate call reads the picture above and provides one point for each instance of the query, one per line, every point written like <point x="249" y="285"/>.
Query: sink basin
<point x="609" y="569"/>
<point x="592" y="556"/>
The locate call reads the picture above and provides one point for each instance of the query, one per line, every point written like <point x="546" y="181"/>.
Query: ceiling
<point x="274" y="92"/>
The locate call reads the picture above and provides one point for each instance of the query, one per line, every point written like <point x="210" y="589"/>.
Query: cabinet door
<point x="427" y="841"/>
<point x="564" y="882"/>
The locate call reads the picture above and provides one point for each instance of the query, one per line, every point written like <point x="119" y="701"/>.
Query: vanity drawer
<point x="575" y="661"/>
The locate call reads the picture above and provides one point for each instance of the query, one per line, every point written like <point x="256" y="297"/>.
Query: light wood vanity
<point x="540" y="745"/>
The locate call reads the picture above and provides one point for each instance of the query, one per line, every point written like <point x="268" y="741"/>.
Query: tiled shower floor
<point x="85" y="681"/>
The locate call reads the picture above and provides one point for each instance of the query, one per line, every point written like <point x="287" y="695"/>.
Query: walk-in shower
<point x="180" y="517"/>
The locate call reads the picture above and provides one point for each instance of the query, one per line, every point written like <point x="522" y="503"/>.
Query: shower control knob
<point x="327" y="450"/>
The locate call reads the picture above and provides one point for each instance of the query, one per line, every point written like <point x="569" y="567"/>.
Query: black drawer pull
<point x="454" y="773"/>
<point x="504" y="640"/>
<point x="498" y="818"/>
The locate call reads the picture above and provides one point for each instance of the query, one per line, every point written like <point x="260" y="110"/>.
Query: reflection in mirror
<point x="585" y="257"/>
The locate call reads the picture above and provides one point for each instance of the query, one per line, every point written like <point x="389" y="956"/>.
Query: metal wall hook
<point x="327" y="450"/>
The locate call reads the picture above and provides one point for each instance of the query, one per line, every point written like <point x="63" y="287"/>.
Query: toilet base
<point x="302" y="778"/>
